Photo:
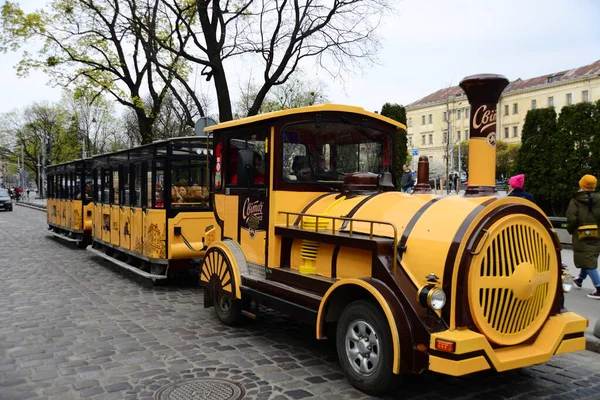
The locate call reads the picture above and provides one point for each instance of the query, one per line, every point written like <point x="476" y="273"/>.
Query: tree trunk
<point x="222" y="89"/>
<point x="146" y="125"/>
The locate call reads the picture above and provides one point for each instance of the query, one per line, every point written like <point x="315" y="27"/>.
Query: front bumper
<point x="562" y="333"/>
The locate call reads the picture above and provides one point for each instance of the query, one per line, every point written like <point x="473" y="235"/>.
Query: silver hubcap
<point x="225" y="303"/>
<point x="362" y="347"/>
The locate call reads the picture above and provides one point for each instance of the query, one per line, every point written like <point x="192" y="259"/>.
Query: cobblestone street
<point x="73" y="326"/>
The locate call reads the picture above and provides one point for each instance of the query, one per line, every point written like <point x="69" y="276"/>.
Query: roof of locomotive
<point x="304" y="110"/>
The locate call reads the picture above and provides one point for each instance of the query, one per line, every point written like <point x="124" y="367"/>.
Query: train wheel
<point x="217" y="268"/>
<point x="364" y="347"/>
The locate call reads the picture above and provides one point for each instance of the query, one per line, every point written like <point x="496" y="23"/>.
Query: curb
<point x="31" y="205"/>
<point x="592" y="343"/>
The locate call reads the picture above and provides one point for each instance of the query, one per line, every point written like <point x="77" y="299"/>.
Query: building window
<point x="506" y="109"/>
<point x="551" y="101"/>
<point x="430" y="139"/>
<point x="430" y="119"/>
<point x="458" y="135"/>
<point x="515" y="108"/>
<point x="423" y="139"/>
<point x="505" y="133"/>
<point x="467" y="134"/>
<point x="533" y="104"/>
<point x="410" y="122"/>
<point x="445" y="116"/>
<point x="410" y="143"/>
<point x="515" y="131"/>
<point x="467" y="112"/>
<point x="445" y="137"/>
<point x="569" y="99"/>
<point x="423" y="120"/>
<point x="585" y="96"/>
<point x="458" y="114"/>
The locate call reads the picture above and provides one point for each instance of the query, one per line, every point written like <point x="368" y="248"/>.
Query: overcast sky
<point x="429" y="45"/>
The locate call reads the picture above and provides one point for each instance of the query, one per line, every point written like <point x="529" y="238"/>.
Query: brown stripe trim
<point x="357" y="207"/>
<point x="411" y="224"/>
<point x="574" y="335"/>
<point x="453" y="251"/>
<point x="460" y="357"/>
<point x="309" y="205"/>
<point x="334" y="258"/>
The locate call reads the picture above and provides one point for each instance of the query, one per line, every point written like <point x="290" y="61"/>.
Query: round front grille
<point x="201" y="389"/>
<point x="512" y="280"/>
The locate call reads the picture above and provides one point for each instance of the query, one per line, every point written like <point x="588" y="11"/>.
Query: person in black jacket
<point x="516" y="184"/>
<point x="406" y="182"/>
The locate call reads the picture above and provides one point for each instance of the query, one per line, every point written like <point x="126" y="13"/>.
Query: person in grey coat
<point x="583" y="222"/>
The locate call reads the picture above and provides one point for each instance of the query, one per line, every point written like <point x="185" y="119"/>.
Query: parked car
<point x="5" y="200"/>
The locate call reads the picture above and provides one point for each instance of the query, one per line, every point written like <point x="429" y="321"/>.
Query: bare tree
<point x="279" y="35"/>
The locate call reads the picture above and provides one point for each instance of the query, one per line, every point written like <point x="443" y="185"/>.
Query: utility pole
<point x="23" y="183"/>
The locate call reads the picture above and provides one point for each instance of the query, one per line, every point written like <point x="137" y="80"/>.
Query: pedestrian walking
<point x="456" y="180"/>
<point x="27" y="194"/>
<point x="516" y="184"/>
<point x="583" y="219"/>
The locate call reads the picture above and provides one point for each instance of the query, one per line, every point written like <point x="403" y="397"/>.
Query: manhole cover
<point x="200" y="389"/>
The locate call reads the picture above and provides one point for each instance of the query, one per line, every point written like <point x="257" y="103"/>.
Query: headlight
<point x="436" y="299"/>
<point x="567" y="283"/>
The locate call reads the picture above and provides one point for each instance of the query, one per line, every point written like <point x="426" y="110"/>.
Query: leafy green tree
<point x="539" y="153"/>
<point x="97" y="46"/>
<point x="573" y="145"/>
<point x="398" y="113"/>
<point x="506" y="158"/>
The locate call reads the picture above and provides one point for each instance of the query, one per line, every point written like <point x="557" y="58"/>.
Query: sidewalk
<point x="576" y="301"/>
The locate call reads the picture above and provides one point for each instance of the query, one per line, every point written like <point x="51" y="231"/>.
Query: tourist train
<point x="297" y="211"/>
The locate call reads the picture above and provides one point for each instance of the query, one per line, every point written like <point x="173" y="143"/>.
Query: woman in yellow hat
<point x="583" y="222"/>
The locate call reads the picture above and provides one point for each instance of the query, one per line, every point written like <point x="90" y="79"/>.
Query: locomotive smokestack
<point x="423" y="176"/>
<point x="483" y="92"/>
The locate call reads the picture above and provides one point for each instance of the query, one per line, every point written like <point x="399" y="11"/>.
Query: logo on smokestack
<point x="484" y="124"/>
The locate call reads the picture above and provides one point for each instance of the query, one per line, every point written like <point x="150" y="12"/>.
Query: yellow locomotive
<point x="310" y="224"/>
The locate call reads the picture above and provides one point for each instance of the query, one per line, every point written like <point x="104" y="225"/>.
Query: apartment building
<point x="441" y="119"/>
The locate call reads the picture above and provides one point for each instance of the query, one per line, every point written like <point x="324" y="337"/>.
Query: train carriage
<point x="310" y="225"/>
<point x="152" y="209"/>
<point x="69" y="210"/>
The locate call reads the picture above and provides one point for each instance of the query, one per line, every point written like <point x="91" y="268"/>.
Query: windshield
<point x="327" y="151"/>
<point x="3" y="193"/>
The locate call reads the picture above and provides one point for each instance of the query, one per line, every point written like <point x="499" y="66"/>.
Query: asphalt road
<point x="73" y="326"/>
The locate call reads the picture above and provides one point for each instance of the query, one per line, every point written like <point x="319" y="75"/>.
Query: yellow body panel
<point x="125" y="227"/>
<point x="482" y="173"/>
<point x="458" y="367"/>
<point x="230" y="216"/>
<point x="199" y="228"/>
<point x="254" y="247"/>
<point x="88" y="219"/>
<point x="435" y="230"/>
<point x="353" y="263"/>
<point x="290" y="202"/>
<point x="549" y="341"/>
<point x="382" y="303"/>
<point x="137" y="230"/>
<point x="154" y="241"/>
<point x="97" y="226"/>
<point x="77" y="217"/>
<point x="115" y="214"/>
<point x="106" y="223"/>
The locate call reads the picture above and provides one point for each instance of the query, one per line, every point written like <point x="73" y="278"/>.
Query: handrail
<point x="350" y="230"/>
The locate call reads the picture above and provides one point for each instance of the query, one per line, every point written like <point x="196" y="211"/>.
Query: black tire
<point x="217" y="268"/>
<point x="82" y="244"/>
<point x="369" y="370"/>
